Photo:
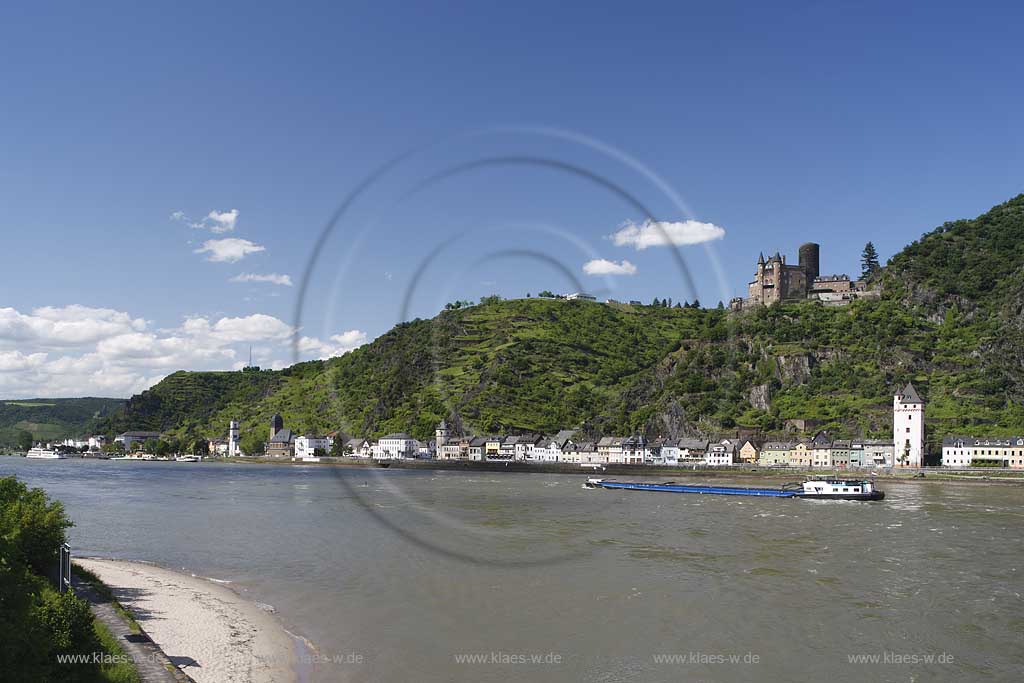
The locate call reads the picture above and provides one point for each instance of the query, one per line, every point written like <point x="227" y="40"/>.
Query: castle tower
<point x="908" y="427"/>
<point x="232" y="438"/>
<point x="809" y="261"/>
<point x="276" y="425"/>
<point x="441" y="434"/>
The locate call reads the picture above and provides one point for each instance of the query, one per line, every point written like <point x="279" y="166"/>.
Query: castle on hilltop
<point x="778" y="281"/>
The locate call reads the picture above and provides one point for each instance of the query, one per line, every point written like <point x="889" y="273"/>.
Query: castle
<point x="777" y="281"/>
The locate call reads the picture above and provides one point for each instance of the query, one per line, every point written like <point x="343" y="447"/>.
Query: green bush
<point x="31" y="525"/>
<point x="38" y="624"/>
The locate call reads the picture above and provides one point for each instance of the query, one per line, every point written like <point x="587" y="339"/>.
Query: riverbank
<point x="207" y="630"/>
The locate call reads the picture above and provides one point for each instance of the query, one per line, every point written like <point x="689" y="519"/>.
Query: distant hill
<point x="950" y="319"/>
<point x="54" y="418"/>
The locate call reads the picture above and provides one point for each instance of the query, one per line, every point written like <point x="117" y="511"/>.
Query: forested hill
<point x="52" y="418"/>
<point x="949" y="319"/>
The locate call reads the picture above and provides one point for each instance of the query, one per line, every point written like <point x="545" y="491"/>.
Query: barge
<point x="820" y="489"/>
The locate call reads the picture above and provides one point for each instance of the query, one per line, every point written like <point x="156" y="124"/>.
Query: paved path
<point x="151" y="662"/>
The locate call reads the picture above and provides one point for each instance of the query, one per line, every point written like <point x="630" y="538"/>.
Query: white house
<point x="359" y="448"/>
<point x="635" y="450"/>
<point x="668" y="454"/>
<point x="394" y="447"/>
<point x="97" y="442"/>
<point x="965" y="451"/>
<point x="719" y="454"/>
<point x="306" y="446"/>
<point x="553" y="448"/>
<point x="908" y="427"/>
<point x="129" y="438"/>
<point x="525" y="445"/>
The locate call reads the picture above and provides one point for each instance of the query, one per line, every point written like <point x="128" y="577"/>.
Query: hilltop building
<point x="776" y="281"/>
<point x="908" y="427"/>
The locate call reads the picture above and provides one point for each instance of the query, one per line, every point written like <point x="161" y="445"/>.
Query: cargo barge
<point x="821" y="489"/>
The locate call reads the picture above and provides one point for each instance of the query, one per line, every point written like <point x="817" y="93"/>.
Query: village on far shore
<point x="775" y="281"/>
<point x="905" y="450"/>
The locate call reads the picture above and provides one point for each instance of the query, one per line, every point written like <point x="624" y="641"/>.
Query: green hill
<point x="54" y="418"/>
<point x="950" y="319"/>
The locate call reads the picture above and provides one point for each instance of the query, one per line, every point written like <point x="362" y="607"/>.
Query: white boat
<point x="189" y="458"/>
<point x="40" y="453"/>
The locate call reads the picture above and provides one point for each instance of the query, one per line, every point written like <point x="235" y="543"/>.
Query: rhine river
<point x="418" y="575"/>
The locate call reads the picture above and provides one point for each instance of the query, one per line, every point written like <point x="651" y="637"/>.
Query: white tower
<point x="908" y="427"/>
<point x="441" y="434"/>
<point x="232" y="439"/>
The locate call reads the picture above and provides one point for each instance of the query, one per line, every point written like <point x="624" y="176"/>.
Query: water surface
<point x="400" y="575"/>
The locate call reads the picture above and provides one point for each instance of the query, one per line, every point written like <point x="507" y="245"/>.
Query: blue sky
<point x="839" y="122"/>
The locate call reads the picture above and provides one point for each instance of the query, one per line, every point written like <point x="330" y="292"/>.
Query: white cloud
<point x="665" y="233"/>
<point x="337" y="344"/>
<point x="77" y="350"/>
<point x="272" y="278"/>
<point x="228" y="250"/>
<point x="215" y="221"/>
<point x="600" y="266"/>
<point x="65" y="326"/>
<point x="222" y="221"/>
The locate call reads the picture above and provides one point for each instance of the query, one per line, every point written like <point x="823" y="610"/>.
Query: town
<point x="905" y="449"/>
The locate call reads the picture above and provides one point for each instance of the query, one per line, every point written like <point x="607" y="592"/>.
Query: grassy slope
<point x="950" y="321"/>
<point x="54" y="418"/>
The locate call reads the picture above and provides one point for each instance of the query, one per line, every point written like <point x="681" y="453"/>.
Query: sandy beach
<point x="209" y="631"/>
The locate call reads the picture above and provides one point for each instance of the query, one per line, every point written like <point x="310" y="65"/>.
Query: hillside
<point x="53" y="418"/>
<point x="950" y="320"/>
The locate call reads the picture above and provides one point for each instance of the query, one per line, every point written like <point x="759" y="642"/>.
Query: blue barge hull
<point x="712" y="490"/>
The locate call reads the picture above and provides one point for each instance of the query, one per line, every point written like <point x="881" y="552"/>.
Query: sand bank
<point x="209" y="631"/>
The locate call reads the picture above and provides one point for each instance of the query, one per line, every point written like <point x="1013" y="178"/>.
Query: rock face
<point x="759" y="396"/>
<point x="794" y="369"/>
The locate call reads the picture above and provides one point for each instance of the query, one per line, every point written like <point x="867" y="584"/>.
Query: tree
<point x="24" y="439"/>
<point x="547" y="294"/>
<point x="251" y="444"/>
<point x="869" y="261"/>
<point x="656" y="302"/>
<point x="200" y="446"/>
<point x="31" y="526"/>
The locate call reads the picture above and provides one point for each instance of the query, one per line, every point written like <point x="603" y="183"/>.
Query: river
<point x="398" y="575"/>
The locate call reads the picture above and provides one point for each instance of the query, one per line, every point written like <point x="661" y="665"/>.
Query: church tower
<point x="232" y="438"/>
<point x="276" y="425"/>
<point x="441" y="434"/>
<point x="908" y="427"/>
